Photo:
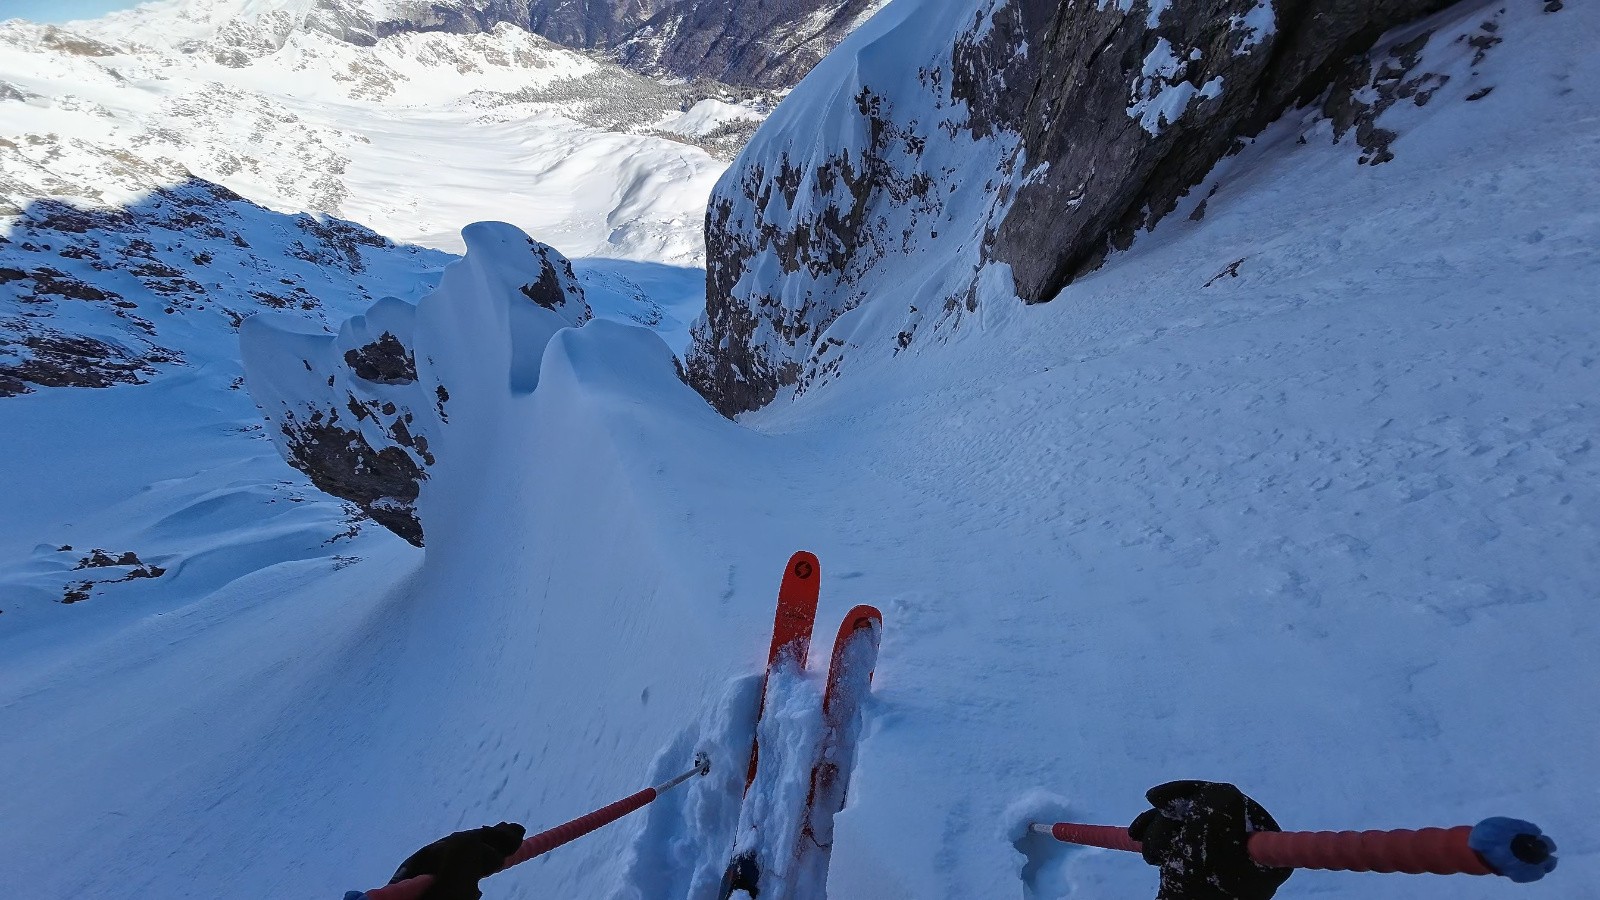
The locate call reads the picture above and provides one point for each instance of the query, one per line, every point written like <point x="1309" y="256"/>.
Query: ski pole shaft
<point x="1496" y="846"/>
<point x="545" y="841"/>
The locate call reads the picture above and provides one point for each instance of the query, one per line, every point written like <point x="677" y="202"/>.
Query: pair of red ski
<point x="855" y="654"/>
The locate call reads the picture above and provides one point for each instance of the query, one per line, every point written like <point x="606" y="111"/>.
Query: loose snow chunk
<point x="1256" y="25"/>
<point x="1158" y="99"/>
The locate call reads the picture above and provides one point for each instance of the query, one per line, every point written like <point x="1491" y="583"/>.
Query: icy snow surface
<point x="1325" y="528"/>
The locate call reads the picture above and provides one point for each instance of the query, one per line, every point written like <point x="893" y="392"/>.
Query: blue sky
<point x="60" y="10"/>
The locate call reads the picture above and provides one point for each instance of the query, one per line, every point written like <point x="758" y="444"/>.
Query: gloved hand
<point x="1196" y="834"/>
<point x="458" y="861"/>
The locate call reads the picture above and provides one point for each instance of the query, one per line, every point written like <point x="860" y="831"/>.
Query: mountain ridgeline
<point x="1005" y="148"/>
<point x="764" y="45"/>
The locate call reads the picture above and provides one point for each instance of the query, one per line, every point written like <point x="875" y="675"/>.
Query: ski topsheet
<point x="855" y="656"/>
<point x="786" y="661"/>
<point x="784" y="837"/>
<point x="791" y="631"/>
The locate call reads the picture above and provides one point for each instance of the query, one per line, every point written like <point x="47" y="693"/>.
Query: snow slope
<point x="1323" y="527"/>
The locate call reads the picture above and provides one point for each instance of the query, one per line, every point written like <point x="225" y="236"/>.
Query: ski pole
<point x="1496" y="846"/>
<point x="545" y="841"/>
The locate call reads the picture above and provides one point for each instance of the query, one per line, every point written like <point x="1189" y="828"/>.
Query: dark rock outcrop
<point x="131" y="566"/>
<point x="383" y="481"/>
<point x="770" y="45"/>
<point x="557" y="285"/>
<point x="1019" y="141"/>
<point x="383" y="361"/>
<point x="48" y="358"/>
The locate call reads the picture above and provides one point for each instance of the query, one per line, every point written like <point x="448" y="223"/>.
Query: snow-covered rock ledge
<point x="371" y="412"/>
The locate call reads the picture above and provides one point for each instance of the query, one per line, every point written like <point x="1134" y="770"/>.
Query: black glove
<point x="458" y="861"/>
<point x="1196" y="834"/>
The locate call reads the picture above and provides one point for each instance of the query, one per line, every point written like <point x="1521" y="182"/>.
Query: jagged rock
<point x="384" y="482"/>
<point x="742" y="43"/>
<point x="557" y="286"/>
<point x="384" y="361"/>
<point x="99" y="559"/>
<point x="1025" y="139"/>
<point x="48" y="358"/>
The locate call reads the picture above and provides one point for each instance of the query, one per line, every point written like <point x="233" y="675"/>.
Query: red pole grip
<point x="1435" y="851"/>
<point x="543" y="842"/>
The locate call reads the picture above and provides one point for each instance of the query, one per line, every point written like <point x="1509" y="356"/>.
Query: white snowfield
<point x="1325" y="527"/>
<point x="413" y="136"/>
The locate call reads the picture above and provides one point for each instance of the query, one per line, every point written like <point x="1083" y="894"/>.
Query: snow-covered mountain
<point x="398" y="135"/>
<point x="754" y="44"/>
<point x="1300" y="492"/>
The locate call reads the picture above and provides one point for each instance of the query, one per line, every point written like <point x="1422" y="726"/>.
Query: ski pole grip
<point x="545" y="841"/>
<point x="1434" y="851"/>
<point x="1496" y="846"/>
<point x="541" y="843"/>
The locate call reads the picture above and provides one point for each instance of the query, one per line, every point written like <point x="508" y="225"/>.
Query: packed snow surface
<point x="1323" y="527"/>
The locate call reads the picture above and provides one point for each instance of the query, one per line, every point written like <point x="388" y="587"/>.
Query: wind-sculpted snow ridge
<point x="1001" y="148"/>
<point x="364" y="412"/>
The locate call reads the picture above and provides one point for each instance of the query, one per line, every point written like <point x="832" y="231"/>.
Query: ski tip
<point x="863" y="616"/>
<point x="804" y="565"/>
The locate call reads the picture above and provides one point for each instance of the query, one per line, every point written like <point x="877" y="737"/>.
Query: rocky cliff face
<point x="741" y="43"/>
<point x="769" y="45"/>
<point x="946" y="150"/>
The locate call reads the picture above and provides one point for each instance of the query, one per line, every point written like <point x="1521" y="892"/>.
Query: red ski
<point x="791" y="630"/>
<point x="791" y="644"/>
<point x="855" y="656"/>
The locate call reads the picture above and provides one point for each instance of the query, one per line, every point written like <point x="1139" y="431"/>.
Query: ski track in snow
<point x="1325" y="529"/>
